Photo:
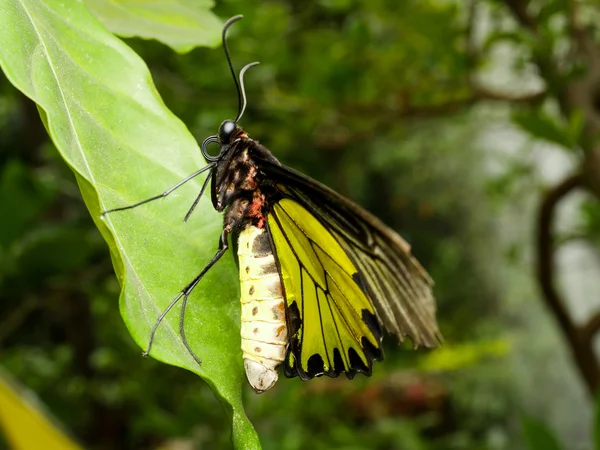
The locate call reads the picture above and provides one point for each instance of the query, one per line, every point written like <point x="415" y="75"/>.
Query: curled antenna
<point x="243" y="89"/>
<point x="209" y="140"/>
<point x="239" y="84"/>
<point x="235" y="80"/>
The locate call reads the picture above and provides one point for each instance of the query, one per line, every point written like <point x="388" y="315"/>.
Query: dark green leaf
<point x="538" y="436"/>
<point x="576" y="126"/>
<point x="550" y="9"/>
<point x="542" y="126"/>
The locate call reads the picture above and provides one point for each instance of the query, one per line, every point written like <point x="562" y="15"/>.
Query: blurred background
<point x="469" y="127"/>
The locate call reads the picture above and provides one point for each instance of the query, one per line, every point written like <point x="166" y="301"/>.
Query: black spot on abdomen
<point x="262" y="245"/>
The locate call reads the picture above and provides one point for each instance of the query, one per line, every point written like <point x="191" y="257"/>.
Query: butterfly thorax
<point x="240" y="187"/>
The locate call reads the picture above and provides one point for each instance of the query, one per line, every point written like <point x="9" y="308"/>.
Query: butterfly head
<point x="229" y="132"/>
<point x="226" y="132"/>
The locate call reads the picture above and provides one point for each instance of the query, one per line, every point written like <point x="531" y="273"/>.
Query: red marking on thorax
<point x="255" y="208"/>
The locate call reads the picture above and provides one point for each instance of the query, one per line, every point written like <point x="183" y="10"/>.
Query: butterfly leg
<point x="185" y="293"/>
<point x="164" y="194"/>
<point x="189" y="213"/>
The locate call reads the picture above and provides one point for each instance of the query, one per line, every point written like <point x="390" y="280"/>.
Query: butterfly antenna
<point x="243" y="89"/>
<point x="228" y="56"/>
<point x="239" y="84"/>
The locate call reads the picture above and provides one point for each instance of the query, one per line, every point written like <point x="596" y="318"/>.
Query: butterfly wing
<point x="332" y="325"/>
<point x="388" y="275"/>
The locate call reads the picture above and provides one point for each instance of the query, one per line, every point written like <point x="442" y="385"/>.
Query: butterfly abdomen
<point x="264" y="331"/>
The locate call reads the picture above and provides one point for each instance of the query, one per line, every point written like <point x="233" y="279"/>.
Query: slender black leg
<point x="158" y="322"/>
<point x="164" y="194"/>
<point x="185" y="293"/>
<point x="189" y="213"/>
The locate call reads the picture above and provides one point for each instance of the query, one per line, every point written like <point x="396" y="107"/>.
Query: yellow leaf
<point x="24" y="423"/>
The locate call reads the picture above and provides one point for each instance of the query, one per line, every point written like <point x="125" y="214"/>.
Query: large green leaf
<point x="108" y="122"/>
<point x="181" y="24"/>
<point x="543" y="126"/>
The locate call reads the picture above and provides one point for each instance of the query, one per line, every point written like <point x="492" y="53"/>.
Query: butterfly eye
<point x="226" y="131"/>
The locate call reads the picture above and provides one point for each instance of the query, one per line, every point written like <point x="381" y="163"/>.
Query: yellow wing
<point x="332" y="324"/>
<point x="393" y="280"/>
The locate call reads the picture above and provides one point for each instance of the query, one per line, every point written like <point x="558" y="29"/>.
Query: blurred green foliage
<point x="538" y="436"/>
<point x="375" y="99"/>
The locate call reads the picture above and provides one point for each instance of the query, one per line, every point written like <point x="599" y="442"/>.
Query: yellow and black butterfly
<point x="319" y="275"/>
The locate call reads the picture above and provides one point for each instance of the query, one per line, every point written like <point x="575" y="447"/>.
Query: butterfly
<point x="320" y="277"/>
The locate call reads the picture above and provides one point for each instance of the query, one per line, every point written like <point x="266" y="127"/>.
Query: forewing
<point x="393" y="279"/>
<point x="332" y="325"/>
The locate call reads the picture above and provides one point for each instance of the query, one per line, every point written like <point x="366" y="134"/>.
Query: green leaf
<point x="105" y="117"/>
<point x="461" y="356"/>
<point x="545" y="127"/>
<point x="576" y="126"/>
<point x="550" y="9"/>
<point x="180" y="24"/>
<point x="538" y="436"/>
<point x="501" y="37"/>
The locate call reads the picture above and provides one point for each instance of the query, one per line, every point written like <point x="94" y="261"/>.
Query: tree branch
<point x="473" y="59"/>
<point x="548" y="68"/>
<point x="579" y="342"/>
<point x="483" y="93"/>
<point x="451" y="106"/>
<point x="589" y="330"/>
<point x="471" y="47"/>
<point x="577" y="32"/>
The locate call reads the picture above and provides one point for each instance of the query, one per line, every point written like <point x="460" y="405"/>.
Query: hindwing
<point x="332" y="324"/>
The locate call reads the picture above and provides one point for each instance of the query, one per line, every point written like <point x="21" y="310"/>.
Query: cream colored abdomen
<point x="264" y="332"/>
